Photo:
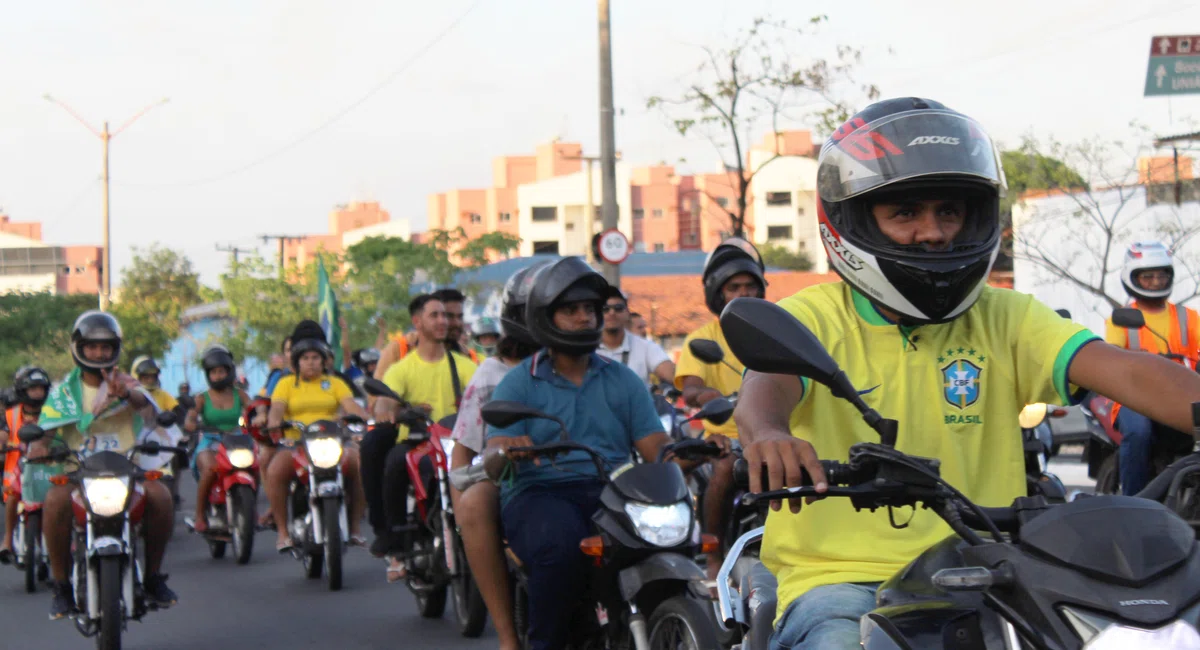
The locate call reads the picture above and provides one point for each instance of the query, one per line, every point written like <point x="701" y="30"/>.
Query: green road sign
<point x="1174" y="67"/>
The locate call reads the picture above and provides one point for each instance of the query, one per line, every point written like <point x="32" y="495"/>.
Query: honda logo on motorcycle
<point x="961" y="383"/>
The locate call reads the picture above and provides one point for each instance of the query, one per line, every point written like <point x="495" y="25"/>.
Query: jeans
<point x="395" y="492"/>
<point x="544" y="526"/>
<point x="374" y="452"/>
<point x="825" y="618"/>
<point x="1137" y="442"/>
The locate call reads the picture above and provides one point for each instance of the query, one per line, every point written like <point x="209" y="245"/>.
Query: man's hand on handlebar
<point x="786" y="459"/>
<point x="721" y="441"/>
<point x="503" y="445"/>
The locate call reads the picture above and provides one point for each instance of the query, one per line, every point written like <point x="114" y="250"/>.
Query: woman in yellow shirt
<point x="306" y="397"/>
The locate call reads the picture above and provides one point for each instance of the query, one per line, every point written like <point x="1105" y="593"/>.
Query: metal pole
<point x="589" y="217"/>
<point x="105" y="266"/>
<point x="281" y="241"/>
<point x="608" y="148"/>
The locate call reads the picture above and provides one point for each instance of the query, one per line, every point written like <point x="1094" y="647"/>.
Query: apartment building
<point x="29" y="264"/>
<point x="348" y="224"/>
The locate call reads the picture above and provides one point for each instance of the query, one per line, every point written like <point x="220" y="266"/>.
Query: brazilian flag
<point x="327" y="313"/>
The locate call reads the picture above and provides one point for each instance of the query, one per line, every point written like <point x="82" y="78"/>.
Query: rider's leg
<point x="352" y="472"/>
<point x="824" y="618"/>
<point x="157" y="523"/>
<point x="395" y="497"/>
<point x="374" y="449"/>
<point x="477" y="512"/>
<point x="279" y="474"/>
<point x="544" y="526"/>
<point x="10" y="519"/>
<point x="1137" y="441"/>
<point x="716" y="507"/>
<point x="206" y="475"/>
<point x="56" y="527"/>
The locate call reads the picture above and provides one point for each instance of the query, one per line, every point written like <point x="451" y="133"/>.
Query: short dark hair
<point x="449" y="294"/>
<point x="417" y="304"/>
<point x="634" y="314"/>
<point x="286" y="340"/>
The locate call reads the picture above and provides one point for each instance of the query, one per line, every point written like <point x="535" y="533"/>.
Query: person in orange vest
<point x="1148" y="275"/>
<point x="31" y="385"/>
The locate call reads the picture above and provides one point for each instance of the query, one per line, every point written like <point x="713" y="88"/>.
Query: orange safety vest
<point x="14" y="419"/>
<point x="1179" y="339"/>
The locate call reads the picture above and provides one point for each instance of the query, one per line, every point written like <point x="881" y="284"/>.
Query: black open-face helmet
<point x="566" y="281"/>
<point x="28" y="377"/>
<point x="905" y="150"/>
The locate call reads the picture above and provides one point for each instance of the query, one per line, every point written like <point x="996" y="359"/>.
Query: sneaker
<point x="158" y="592"/>
<point x="63" y="603"/>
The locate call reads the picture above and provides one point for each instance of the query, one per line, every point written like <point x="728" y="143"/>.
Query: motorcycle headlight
<point x="324" y="452"/>
<point x="661" y="525"/>
<point x="241" y="458"/>
<point x="106" y="495"/>
<point x="1176" y="636"/>
<point x="447" y="445"/>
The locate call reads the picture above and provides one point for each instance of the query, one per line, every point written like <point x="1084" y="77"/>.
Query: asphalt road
<point x="265" y="604"/>
<point x="269" y="604"/>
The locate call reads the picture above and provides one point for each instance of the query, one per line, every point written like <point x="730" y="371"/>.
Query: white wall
<point x="9" y="240"/>
<point x="797" y="176"/>
<point x="568" y="193"/>
<point x="393" y="228"/>
<point x="1055" y="220"/>
<point x="29" y="283"/>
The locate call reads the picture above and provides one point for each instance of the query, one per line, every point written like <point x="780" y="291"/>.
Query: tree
<point x="784" y="258"/>
<point x="752" y="86"/>
<point x="35" y="329"/>
<point x="263" y="307"/>
<point x="1095" y="207"/>
<point x="476" y="252"/>
<point x="155" y="289"/>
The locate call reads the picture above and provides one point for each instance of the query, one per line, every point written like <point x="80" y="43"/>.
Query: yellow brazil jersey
<point x="309" y="401"/>
<point x="163" y="399"/>
<point x="421" y="382"/>
<point x="116" y="432"/>
<point x="956" y="389"/>
<point x="718" y="376"/>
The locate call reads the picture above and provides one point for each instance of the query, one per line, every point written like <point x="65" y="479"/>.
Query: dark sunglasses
<point x="616" y="309"/>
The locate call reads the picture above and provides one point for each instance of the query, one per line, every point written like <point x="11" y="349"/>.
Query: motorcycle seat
<point x="759" y="599"/>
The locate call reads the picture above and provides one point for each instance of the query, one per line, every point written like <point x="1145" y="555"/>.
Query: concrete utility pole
<point x="235" y="250"/>
<point x="282" y="239"/>
<point x="105" y="136"/>
<point x="608" y="145"/>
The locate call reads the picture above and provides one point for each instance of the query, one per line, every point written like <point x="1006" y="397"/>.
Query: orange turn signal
<point x="61" y="479"/>
<point x="593" y="546"/>
<point x="709" y="543"/>
<point x="152" y="475"/>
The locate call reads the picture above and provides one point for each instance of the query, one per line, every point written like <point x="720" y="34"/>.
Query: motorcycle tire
<point x="432" y="603"/>
<point x="682" y="622"/>
<point x="244" y="518"/>
<point x="111" y="614"/>
<point x="331" y="511"/>
<point x="32" y="539"/>
<point x="216" y="549"/>
<point x="1108" y="477"/>
<point x="469" y="607"/>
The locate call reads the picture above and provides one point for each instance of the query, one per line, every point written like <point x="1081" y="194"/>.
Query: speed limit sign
<point x="614" y="246"/>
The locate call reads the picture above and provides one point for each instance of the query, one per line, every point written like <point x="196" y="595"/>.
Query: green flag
<point x="327" y="313"/>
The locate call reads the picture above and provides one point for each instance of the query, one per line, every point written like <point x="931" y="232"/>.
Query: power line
<point x="331" y="120"/>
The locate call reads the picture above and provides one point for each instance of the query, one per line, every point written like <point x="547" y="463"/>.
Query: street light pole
<point x="105" y="137"/>
<point x="608" y="147"/>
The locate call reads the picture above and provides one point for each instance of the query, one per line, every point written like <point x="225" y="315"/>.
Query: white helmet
<point x="1143" y="256"/>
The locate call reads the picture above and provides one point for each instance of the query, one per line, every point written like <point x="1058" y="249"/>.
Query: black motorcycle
<point x="1103" y="572"/>
<point x="645" y="590"/>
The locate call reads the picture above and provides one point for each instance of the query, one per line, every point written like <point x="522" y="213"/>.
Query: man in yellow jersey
<point x="734" y="269"/>
<point x="431" y="378"/>
<point x="1148" y="275"/>
<point x="909" y="214"/>
<point x="147" y="372"/>
<point x="453" y="301"/>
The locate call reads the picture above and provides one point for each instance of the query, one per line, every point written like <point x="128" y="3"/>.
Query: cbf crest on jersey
<point x="960" y="379"/>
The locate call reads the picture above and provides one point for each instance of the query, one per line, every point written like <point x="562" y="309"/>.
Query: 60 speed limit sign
<point x="614" y="246"/>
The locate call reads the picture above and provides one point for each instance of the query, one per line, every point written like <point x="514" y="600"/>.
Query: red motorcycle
<point x="437" y="560"/>
<point x="233" y="498"/>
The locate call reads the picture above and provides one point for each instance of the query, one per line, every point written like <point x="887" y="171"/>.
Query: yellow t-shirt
<point x="418" y="381"/>
<point x="1159" y="321"/>
<point x="309" y="401"/>
<point x="956" y="389"/>
<point x="163" y="399"/>
<point x="116" y="432"/>
<point x="718" y="376"/>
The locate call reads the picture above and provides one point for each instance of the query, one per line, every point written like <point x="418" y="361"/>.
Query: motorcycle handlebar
<point x="464" y="477"/>
<point x="836" y="473"/>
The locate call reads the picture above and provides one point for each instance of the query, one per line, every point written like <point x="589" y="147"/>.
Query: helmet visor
<point x="906" y="146"/>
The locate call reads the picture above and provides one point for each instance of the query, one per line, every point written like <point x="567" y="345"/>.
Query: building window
<point x="66" y="270"/>
<point x="779" y="198"/>
<point x="638" y="213"/>
<point x="505" y="216"/>
<point x="658" y="248"/>
<point x="803" y="244"/>
<point x="723" y="201"/>
<point x="657" y="213"/>
<point x="476" y="217"/>
<point x="800" y="211"/>
<point x="79" y="269"/>
<point x="545" y="248"/>
<point x="545" y="214"/>
<point x="779" y="232"/>
<point x="639" y="247"/>
<point x="570" y="226"/>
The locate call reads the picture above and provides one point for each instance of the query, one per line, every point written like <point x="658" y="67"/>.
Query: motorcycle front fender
<point x="656" y="568"/>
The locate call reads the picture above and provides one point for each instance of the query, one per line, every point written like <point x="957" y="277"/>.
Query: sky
<point x="280" y="110"/>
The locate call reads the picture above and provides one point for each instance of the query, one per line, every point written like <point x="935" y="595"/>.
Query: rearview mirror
<point x="166" y="419"/>
<point x="30" y="432"/>
<point x="766" y="338"/>
<point x="1129" y="318"/>
<point x="706" y="350"/>
<point x="502" y="414"/>
<point x="717" y="411"/>
<point x="377" y="388"/>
